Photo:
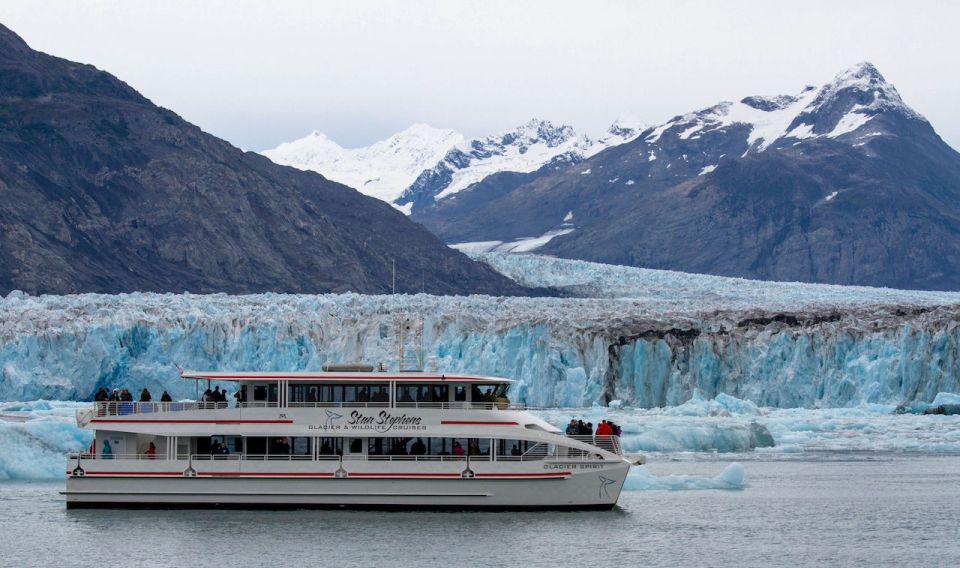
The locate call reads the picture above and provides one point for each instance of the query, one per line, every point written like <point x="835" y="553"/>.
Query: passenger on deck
<point x="418" y="448"/>
<point x="102" y="395"/>
<point x="151" y="452"/>
<point x="363" y="395"/>
<point x="604" y="429"/>
<point x="114" y="396"/>
<point x="107" y="452"/>
<point x="473" y="448"/>
<point x="457" y="449"/>
<point x="126" y="396"/>
<point x="165" y="397"/>
<point x="573" y="428"/>
<point x="145" y="395"/>
<point x="207" y="397"/>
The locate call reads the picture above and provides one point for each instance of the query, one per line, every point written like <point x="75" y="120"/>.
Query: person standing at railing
<point x="572" y="428"/>
<point x="101" y="399"/>
<point x="604" y="429"/>
<point x="151" y="452"/>
<point x="145" y="395"/>
<point x="165" y="397"/>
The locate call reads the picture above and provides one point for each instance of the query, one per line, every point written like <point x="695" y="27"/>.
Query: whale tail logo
<point x="331" y="416"/>
<point x="605" y="482"/>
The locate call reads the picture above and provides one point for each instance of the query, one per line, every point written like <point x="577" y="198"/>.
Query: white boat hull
<point x="594" y="488"/>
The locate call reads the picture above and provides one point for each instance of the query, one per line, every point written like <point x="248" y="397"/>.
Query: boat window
<point x="483" y="393"/>
<point x="350" y="393"/>
<point x="460" y="393"/>
<point x="279" y="446"/>
<point x="379" y="393"/>
<point x="422" y="393"/>
<point x="259" y="392"/>
<point x="478" y="446"/>
<point x="513" y="448"/>
<point x="305" y="393"/>
<point x="301" y="446"/>
<point x="355" y="445"/>
<point x="331" y="446"/>
<point x="272" y="392"/>
<point x="256" y="446"/>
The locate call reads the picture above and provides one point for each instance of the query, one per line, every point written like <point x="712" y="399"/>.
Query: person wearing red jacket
<point x="604" y="429"/>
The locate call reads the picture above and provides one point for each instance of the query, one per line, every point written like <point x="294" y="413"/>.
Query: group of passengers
<point x="605" y="428"/>
<point x="217" y="398"/>
<point x="113" y="400"/>
<point x="219" y="449"/>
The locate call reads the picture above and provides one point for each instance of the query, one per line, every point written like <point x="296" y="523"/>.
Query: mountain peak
<point x="11" y="43"/>
<point x="862" y="88"/>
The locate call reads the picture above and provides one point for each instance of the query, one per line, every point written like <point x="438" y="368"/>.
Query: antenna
<point x="410" y="343"/>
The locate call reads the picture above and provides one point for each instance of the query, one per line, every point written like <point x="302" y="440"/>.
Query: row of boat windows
<point x="406" y="446"/>
<point x="376" y="392"/>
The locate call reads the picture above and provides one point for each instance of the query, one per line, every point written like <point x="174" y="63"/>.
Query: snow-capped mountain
<point x="525" y="149"/>
<point x="382" y="170"/>
<point x="840" y="107"/>
<point x="838" y="184"/>
<point x="423" y="163"/>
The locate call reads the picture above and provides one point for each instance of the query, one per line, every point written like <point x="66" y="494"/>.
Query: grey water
<point x="858" y="509"/>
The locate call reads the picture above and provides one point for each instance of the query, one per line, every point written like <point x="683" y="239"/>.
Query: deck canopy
<point x="310" y="376"/>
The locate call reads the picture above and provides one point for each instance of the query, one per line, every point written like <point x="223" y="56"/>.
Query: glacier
<point x="647" y="338"/>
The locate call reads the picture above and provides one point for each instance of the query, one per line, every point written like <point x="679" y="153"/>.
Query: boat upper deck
<point x="341" y="376"/>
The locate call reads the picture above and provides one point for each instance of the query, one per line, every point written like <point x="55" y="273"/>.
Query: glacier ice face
<point x="661" y="336"/>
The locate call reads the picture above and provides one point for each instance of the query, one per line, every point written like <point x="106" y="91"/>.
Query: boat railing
<point x="126" y="408"/>
<point x="462" y="405"/>
<point x="608" y="443"/>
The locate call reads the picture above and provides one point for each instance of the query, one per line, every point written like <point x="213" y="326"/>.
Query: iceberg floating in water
<point x="640" y="479"/>
<point x="35" y="439"/>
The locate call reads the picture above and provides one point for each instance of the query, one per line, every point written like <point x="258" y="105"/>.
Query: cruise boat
<point x="345" y="437"/>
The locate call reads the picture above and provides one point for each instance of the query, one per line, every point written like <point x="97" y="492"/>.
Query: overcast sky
<point x="260" y="73"/>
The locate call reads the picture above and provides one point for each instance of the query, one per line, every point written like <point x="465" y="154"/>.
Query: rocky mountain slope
<point x="102" y="191"/>
<point x="839" y="184"/>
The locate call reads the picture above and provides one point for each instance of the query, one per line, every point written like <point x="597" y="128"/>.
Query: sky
<point x="261" y="73"/>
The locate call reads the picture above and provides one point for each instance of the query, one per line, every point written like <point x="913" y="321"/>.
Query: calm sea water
<point x="838" y="510"/>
